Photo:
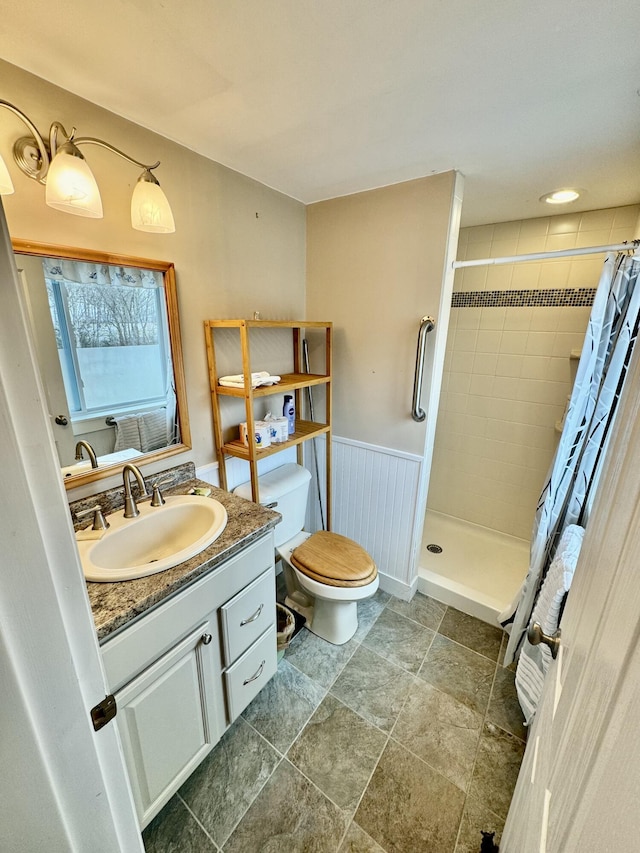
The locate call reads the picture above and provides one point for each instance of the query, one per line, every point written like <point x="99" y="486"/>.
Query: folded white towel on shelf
<point x="534" y="661"/>
<point x="261" y="377"/>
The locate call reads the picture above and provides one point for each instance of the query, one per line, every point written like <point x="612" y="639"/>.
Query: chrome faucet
<point x="90" y="453"/>
<point x="130" y="507"/>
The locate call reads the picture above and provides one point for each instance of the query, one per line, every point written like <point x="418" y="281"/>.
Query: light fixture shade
<point x="6" y="184"/>
<point x="150" y="210"/>
<point x="71" y="186"/>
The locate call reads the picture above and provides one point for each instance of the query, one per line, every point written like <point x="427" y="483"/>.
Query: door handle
<point x="536" y="635"/>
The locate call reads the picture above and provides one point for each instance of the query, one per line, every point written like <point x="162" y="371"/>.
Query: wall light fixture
<point x="70" y="184"/>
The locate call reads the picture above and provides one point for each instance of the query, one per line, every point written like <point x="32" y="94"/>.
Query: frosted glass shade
<point x="150" y="210"/>
<point x="6" y="184"/>
<point x="71" y="186"/>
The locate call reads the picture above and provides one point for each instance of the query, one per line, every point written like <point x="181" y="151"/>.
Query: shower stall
<point x="515" y="334"/>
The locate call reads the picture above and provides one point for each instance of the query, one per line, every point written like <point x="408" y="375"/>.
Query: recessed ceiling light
<point x="563" y="196"/>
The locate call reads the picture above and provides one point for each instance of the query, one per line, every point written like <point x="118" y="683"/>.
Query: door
<point x="577" y="788"/>
<point x="66" y="787"/>
<point x="166" y="719"/>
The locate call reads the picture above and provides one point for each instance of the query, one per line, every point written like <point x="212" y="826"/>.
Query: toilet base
<point x="333" y="621"/>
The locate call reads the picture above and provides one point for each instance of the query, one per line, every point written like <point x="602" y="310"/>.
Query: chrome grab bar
<point x="426" y="325"/>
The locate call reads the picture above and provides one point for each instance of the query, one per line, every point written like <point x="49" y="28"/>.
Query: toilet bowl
<point x="326" y="574"/>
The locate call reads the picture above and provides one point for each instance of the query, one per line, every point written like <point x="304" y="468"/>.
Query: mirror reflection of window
<point x="111" y="332"/>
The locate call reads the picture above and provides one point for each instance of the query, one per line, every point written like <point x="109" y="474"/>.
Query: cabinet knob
<point x="206" y="639"/>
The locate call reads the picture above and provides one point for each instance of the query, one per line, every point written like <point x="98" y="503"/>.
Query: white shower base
<point x="479" y="570"/>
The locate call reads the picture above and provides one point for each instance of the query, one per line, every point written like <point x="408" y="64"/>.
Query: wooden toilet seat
<point x="334" y="560"/>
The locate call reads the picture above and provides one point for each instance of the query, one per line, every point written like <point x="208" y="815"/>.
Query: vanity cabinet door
<point x="166" y="720"/>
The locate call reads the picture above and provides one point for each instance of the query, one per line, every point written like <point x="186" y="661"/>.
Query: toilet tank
<point x="288" y="487"/>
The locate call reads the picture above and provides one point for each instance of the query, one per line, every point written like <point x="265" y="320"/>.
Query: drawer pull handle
<point x="253" y="618"/>
<point x="206" y="639"/>
<point x="257" y="675"/>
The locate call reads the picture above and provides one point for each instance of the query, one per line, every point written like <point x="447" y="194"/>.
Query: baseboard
<point x="398" y="588"/>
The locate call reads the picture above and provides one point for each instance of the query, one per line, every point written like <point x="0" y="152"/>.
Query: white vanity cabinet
<point x="182" y="673"/>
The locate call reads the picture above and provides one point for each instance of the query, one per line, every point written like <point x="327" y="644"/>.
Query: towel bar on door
<point x="426" y="325"/>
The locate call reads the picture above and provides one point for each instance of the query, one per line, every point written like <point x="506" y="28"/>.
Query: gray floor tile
<point x="291" y="815"/>
<point x="504" y="708"/>
<point x="472" y="633"/>
<point x="456" y="670"/>
<point x="223" y="787"/>
<point x="441" y="731"/>
<point x="408" y="806"/>
<point x="476" y="819"/>
<point x="338" y="750"/>
<point x="357" y="841"/>
<point x="496" y="771"/>
<point x="279" y="712"/>
<point x="423" y="609"/>
<point x="174" y="830"/>
<point x="400" y="640"/>
<point x="368" y="611"/>
<point x="373" y="687"/>
<point x="318" y="659"/>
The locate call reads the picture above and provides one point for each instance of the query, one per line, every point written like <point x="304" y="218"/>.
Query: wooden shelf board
<point x="288" y="382"/>
<point x="267" y="324"/>
<point x="304" y="431"/>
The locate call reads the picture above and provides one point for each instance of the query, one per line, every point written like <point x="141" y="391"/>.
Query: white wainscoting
<point x="375" y="493"/>
<point x="238" y="469"/>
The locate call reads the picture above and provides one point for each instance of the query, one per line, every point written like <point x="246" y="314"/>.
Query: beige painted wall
<point x="239" y="247"/>
<point x="375" y="263"/>
<point x="507" y="369"/>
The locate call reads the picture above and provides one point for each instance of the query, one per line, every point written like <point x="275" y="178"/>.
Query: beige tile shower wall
<point x="507" y="370"/>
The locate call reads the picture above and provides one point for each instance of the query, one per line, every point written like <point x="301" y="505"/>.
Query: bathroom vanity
<point x="187" y="649"/>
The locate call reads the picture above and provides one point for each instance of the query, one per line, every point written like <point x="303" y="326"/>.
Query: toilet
<point x="326" y="574"/>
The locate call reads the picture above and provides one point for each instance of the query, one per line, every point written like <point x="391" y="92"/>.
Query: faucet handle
<point x="99" y="521"/>
<point x="157" y="499"/>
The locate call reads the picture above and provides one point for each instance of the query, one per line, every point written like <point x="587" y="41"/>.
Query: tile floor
<point x="406" y="739"/>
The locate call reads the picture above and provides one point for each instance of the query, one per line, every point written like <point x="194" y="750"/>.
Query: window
<point x="111" y="331"/>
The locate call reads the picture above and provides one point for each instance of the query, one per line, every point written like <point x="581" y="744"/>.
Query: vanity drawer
<point x="245" y="617"/>
<point x="249" y="674"/>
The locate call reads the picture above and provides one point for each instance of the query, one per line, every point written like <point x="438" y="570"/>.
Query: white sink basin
<point x="157" y="539"/>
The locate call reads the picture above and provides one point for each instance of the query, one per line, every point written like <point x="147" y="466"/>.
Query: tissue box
<point x="262" y="436"/>
<point x="279" y="430"/>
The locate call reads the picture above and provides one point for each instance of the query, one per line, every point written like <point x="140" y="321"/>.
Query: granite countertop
<point x="115" y="605"/>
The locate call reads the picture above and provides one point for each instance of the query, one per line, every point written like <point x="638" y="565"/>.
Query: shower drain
<point x="435" y="549"/>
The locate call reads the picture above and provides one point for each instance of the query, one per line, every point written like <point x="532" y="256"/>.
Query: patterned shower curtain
<point x="606" y="353"/>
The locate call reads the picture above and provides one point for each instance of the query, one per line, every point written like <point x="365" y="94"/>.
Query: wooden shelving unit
<point x="290" y="383"/>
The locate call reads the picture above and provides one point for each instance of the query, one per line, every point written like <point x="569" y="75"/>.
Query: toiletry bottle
<point x="289" y="412"/>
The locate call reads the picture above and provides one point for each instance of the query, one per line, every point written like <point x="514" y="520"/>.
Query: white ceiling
<point x="320" y="98"/>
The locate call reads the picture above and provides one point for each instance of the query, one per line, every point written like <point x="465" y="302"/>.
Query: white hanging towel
<point x="534" y="661"/>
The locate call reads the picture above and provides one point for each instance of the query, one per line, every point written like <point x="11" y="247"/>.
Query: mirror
<point x="107" y="340"/>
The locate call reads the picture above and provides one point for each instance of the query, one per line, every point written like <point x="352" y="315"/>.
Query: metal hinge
<point x="104" y="712"/>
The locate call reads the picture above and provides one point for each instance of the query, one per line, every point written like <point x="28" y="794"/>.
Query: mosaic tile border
<point x="558" y="297"/>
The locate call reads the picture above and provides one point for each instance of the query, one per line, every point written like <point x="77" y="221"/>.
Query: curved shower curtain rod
<point x="630" y="246"/>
